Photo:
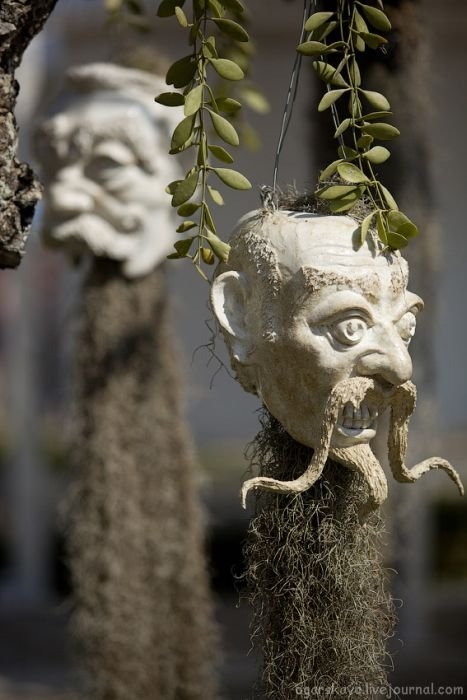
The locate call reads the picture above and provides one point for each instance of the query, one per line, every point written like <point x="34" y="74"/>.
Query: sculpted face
<point x="106" y="167"/>
<point x="319" y="327"/>
<point x="338" y="313"/>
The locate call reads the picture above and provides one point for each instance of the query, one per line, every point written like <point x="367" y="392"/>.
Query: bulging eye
<point x="349" y="331"/>
<point x="406" y="326"/>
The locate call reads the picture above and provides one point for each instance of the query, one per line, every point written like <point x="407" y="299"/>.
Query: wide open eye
<point x="406" y="326"/>
<point x="350" y="331"/>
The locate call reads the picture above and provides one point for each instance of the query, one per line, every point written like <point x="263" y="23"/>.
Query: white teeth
<point x="359" y="418"/>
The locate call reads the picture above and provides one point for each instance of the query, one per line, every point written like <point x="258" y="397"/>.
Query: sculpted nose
<point x="389" y="359"/>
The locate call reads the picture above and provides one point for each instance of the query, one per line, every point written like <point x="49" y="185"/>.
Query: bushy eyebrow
<point x="309" y="280"/>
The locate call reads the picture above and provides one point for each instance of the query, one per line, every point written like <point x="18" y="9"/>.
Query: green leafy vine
<point x="203" y="110"/>
<point x="337" y="39"/>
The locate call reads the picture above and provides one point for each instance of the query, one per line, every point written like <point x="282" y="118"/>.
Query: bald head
<point x="303" y="306"/>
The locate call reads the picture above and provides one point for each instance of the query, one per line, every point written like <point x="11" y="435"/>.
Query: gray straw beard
<point x="89" y="232"/>
<point x="360" y="458"/>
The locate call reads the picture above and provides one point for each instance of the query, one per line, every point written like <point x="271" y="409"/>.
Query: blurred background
<point x="427" y="524"/>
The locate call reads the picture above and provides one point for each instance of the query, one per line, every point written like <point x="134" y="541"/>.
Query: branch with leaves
<point x="337" y="39"/>
<point x="203" y="109"/>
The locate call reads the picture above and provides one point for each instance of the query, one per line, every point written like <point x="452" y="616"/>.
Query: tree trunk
<point x="143" y="610"/>
<point x="20" y="21"/>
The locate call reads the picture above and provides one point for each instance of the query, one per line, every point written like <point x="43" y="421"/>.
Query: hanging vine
<point x="365" y="123"/>
<point x="335" y="40"/>
<point x="194" y="195"/>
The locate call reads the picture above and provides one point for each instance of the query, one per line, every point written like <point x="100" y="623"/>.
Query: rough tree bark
<point x="20" y="21"/>
<point x="143" y="609"/>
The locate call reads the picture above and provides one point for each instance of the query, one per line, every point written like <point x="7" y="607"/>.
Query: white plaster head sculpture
<point x="319" y="328"/>
<point x="106" y="165"/>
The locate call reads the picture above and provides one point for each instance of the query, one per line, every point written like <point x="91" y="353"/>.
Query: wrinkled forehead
<point x="370" y="281"/>
<point x="325" y="252"/>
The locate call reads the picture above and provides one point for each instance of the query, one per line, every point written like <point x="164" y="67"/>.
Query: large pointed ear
<point x="228" y="301"/>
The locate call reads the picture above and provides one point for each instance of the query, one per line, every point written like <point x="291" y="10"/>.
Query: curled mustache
<point x="93" y="233"/>
<point x="360" y="458"/>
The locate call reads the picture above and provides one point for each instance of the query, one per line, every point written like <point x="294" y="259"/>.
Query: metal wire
<point x="308" y="5"/>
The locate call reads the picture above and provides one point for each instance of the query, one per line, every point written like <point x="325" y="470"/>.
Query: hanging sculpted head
<point x="319" y="327"/>
<point x="106" y="163"/>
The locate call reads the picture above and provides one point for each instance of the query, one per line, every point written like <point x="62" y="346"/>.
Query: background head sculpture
<point x="319" y="327"/>
<point x="105" y="164"/>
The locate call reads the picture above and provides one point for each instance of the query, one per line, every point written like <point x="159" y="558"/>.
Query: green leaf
<point x="221" y="154"/>
<point x="329" y="170"/>
<point x="186" y="226"/>
<point x="208" y="220"/>
<point x="255" y="100"/>
<point x="365" y="226"/>
<point x="360" y="24"/>
<point x="377" y="100"/>
<point x="355" y="73"/>
<point x="374" y="41"/>
<point x="181" y="17"/>
<point x="317" y="20"/>
<point x="170" y="99"/>
<point x="172" y="186"/>
<point x="329" y="98"/>
<point x="322" y="32"/>
<point x="216" y="196"/>
<point x="312" y="48"/>
<point x="355" y="106"/>
<point x="167" y="7"/>
<point x="359" y="43"/>
<point x="371" y="116"/>
<point x="339" y="206"/>
<point x="232" y="178"/>
<point x="329" y="74"/>
<point x="343" y="126"/>
<point x="347" y="152"/>
<point x="208" y="256"/>
<point x="400" y="223"/>
<point x="376" y="18"/>
<point x="227" y="69"/>
<point x="182" y="247"/>
<point x="185" y="189"/>
<point x="235" y="6"/>
<point x="188" y="209"/>
<point x="219" y="248"/>
<point x="384" y="132"/>
<point x="365" y="141"/>
<point x="228" y="105"/>
<point x="182" y="132"/>
<point x="209" y="48"/>
<point x="224" y="129"/>
<point x="351" y="173"/>
<point x="193" y="100"/>
<point x="181" y="72"/>
<point x="377" y="154"/>
<point x="216" y="8"/>
<point x="381" y="227"/>
<point x="390" y="201"/>
<point x="335" y="191"/>
<point x="396" y="241"/>
<point x="233" y="29"/>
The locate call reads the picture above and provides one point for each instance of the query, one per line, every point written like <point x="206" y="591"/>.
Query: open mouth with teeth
<point x="358" y="424"/>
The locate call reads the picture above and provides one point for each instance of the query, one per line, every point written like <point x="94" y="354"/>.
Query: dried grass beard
<point x="360" y="458"/>
<point x="321" y="613"/>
